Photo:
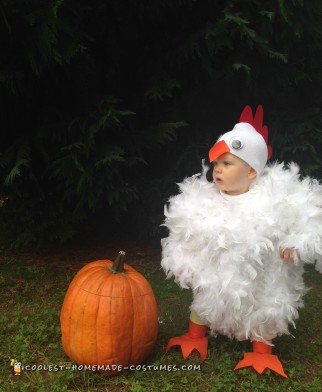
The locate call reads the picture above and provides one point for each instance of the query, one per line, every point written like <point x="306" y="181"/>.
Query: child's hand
<point x="289" y="254"/>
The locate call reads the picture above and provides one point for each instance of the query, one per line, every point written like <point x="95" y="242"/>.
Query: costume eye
<point x="236" y="142"/>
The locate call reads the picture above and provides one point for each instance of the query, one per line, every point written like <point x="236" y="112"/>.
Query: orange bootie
<point x="261" y="358"/>
<point x="194" y="339"/>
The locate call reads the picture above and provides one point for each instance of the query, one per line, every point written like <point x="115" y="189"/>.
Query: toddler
<point x="240" y="244"/>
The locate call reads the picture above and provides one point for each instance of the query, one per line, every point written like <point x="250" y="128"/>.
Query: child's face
<point x="232" y="175"/>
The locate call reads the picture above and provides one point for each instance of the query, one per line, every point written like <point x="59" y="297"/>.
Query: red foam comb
<point x="257" y="123"/>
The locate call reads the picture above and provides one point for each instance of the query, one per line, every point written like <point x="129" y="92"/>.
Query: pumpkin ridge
<point x="82" y="333"/>
<point x="110" y="320"/>
<point x="141" y="303"/>
<point x="129" y="283"/>
<point x="97" y="331"/>
<point x="76" y="335"/>
<point x="70" y="304"/>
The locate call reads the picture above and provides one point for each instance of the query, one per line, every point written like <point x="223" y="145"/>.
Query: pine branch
<point x="22" y="160"/>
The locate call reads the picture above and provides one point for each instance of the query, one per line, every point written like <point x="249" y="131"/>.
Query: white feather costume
<point x="226" y="249"/>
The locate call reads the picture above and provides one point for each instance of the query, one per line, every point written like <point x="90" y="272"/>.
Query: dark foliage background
<point x="105" y="105"/>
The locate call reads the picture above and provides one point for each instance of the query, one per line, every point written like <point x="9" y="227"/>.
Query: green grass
<point x="32" y="292"/>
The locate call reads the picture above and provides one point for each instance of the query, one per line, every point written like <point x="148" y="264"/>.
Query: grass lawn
<point x="33" y="286"/>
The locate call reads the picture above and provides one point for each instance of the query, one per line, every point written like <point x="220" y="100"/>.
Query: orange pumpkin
<point x="109" y="315"/>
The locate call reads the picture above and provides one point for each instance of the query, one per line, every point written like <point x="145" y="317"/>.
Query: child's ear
<point x="252" y="173"/>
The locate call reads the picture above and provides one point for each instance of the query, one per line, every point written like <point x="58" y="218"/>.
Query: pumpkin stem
<point x="118" y="265"/>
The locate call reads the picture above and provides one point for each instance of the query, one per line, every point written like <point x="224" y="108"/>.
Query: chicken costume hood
<point x="225" y="248"/>
<point x="247" y="141"/>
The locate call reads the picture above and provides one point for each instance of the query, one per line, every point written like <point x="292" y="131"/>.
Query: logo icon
<point x="16" y="367"/>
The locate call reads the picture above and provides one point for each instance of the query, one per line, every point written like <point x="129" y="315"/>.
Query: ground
<point x="33" y="285"/>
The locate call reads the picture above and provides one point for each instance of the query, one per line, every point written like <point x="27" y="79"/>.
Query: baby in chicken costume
<point x="240" y="244"/>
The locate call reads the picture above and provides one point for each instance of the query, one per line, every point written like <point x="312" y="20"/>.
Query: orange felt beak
<point x="217" y="150"/>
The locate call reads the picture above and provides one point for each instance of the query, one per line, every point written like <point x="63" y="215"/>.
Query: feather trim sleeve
<point x="188" y="221"/>
<point x="297" y="207"/>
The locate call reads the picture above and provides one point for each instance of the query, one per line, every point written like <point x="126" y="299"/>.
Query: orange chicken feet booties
<point x="261" y="358"/>
<point x="194" y="339"/>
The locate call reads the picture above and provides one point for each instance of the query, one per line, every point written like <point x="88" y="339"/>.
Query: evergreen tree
<point x="106" y="104"/>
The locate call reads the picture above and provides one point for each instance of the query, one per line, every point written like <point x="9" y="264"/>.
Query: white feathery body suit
<point x="226" y="249"/>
